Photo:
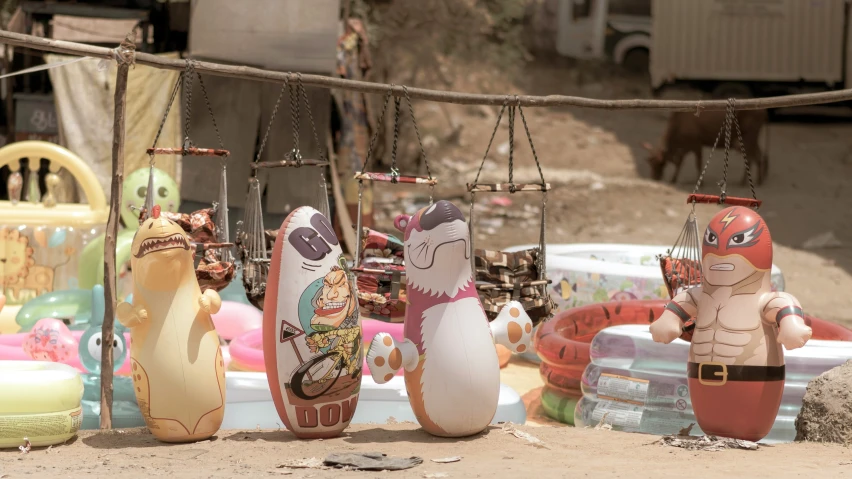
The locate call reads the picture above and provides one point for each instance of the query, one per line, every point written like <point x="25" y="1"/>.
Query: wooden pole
<point x="248" y="73"/>
<point x="124" y="57"/>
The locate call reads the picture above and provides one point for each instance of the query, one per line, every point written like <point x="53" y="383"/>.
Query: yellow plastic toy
<point x="176" y="363"/>
<point x="40" y="239"/>
<point x="39" y="401"/>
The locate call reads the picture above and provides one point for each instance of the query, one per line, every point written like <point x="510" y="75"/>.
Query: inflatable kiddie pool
<point x="39" y="400"/>
<point x="249" y="403"/>
<point x="587" y="273"/>
<point x="12" y="348"/>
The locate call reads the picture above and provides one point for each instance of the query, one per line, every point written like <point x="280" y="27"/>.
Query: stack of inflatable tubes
<point x="246" y="350"/>
<point x="563" y="345"/>
<point x="39" y="400"/>
<point x="641" y="388"/>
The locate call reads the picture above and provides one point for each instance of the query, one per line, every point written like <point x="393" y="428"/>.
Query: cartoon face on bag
<point x="736" y="244"/>
<point x="437" y="248"/>
<point x="333" y="303"/>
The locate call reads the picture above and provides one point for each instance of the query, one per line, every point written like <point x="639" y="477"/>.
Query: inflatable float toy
<point x="312" y="344"/>
<point x="40" y="401"/>
<point x="587" y="273"/>
<point x="41" y="237"/>
<point x="134" y="191"/>
<point x="563" y="343"/>
<point x="74" y="307"/>
<point x="177" y="364"/>
<point x="452" y="372"/>
<point x="234" y="319"/>
<point x="626" y="417"/>
<point x="250" y="404"/>
<point x="559" y="406"/>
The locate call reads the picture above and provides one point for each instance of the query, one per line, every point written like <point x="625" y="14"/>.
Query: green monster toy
<point x="134" y="189"/>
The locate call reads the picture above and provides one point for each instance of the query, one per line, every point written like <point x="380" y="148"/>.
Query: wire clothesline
<point x="328" y="82"/>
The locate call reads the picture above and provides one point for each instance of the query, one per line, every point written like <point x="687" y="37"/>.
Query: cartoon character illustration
<point x="18" y="270"/>
<point x="452" y="373"/>
<point x="736" y="364"/>
<point x="177" y="364"/>
<point x="334" y="319"/>
<point x="135" y="189"/>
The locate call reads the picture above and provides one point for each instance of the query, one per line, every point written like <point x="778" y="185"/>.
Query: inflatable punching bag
<point x="452" y="373"/>
<point x="176" y="363"/>
<point x="736" y="363"/>
<point x="311" y="328"/>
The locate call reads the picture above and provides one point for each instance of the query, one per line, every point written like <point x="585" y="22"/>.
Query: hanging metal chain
<point x="512" y="149"/>
<point x="417" y="132"/>
<point x="394" y="170"/>
<point x="732" y="103"/>
<point x="532" y="147"/>
<point x="293" y="93"/>
<point x="175" y="91"/>
<point x="491" y="140"/>
<point x="210" y="110"/>
<point x="724" y="183"/>
<point x="271" y="121"/>
<point x="187" y="90"/>
<point x="301" y="86"/>
<point x="379" y="124"/>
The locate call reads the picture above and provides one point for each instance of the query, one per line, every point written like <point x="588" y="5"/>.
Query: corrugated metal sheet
<point x="747" y="40"/>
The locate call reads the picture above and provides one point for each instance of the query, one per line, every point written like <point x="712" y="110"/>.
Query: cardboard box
<point x="283" y="35"/>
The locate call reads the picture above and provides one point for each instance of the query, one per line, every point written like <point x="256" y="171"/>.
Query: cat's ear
<point x="401" y="222"/>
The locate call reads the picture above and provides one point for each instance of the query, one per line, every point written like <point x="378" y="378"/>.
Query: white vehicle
<point x="618" y="30"/>
<point x="748" y="48"/>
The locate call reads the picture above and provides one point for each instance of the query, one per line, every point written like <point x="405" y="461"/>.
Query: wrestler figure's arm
<point x="669" y="326"/>
<point x="785" y="311"/>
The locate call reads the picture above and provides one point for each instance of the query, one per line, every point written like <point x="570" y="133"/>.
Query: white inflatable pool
<point x="586" y="273"/>
<point x="249" y="403"/>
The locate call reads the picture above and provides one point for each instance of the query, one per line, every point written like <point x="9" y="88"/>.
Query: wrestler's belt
<point x="713" y="373"/>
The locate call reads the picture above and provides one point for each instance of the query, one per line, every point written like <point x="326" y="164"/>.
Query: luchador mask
<point x="736" y="244"/>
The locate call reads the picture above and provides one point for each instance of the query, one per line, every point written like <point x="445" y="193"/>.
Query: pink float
<point x="12" y="348"/>
<point x="236" y="318"/>
<point x="247" y="348"/>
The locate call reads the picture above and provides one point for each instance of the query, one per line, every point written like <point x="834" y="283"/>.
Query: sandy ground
<point x="567" y="452"/>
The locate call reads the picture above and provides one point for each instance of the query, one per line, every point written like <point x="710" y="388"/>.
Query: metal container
<point x="748" y="40"/>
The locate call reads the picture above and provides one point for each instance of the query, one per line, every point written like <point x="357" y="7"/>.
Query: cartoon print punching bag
<point x="311" y="328"/>
<point x="452" y="373"/>
<point x="176" y="363"/>
<point x="736" y="363"/>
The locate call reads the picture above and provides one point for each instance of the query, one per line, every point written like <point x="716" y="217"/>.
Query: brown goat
<point x="686" y="133"/>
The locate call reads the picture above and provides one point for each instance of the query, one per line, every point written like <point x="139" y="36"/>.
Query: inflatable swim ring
<point x="39" y="400"/>
<point x="563" y="342"/>
<point x="587" y="273"/>
<point x="559" y="406"/>
<point x="12" y="348"/>
<point x="235" y="318"/>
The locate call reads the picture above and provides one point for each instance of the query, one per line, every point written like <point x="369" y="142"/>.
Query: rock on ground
<point x="826" y="414"/>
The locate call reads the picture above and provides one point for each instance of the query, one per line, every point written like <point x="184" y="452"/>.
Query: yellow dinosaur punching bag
<point x="176" y="362"/>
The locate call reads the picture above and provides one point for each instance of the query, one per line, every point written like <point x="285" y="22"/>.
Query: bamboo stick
<point x="124" y="57"/>
<point x="249" y="73"/>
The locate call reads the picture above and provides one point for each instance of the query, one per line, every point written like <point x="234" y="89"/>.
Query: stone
<point x="826" y="414"/>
